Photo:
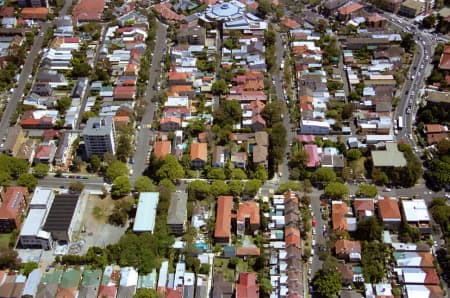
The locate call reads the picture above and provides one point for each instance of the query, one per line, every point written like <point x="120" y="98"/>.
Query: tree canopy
<point x="170" y="169"/>
<point x="336" y="190"/>
<point x="116" y="169"/>
<point x="144" y="184"/>
<point x="369" y="229"/>
<point x="121" y="186"/>
<point x="367" y="190"/>
<point x="327" y="284"/>
<point x="41" y="170"/>
<point x="323" y="176"/>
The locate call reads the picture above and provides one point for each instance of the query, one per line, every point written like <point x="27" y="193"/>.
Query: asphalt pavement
<point x="144" y="134"/>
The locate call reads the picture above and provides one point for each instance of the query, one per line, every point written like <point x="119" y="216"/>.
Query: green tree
<point x="167" y="183"/>
<point x="219" y="187"/>
<point x="27" y="180"/>
<point x="272" y="112"/>
<point x="144" y="184"/>
<point x="76" y="186"/>
<point x="238" y="174"/>
<point x="440" y="212"/>
<point x="219" y="87"/>
<point x="369" y="229"/>
<point x="28" y="267"/>
<point x="261" y="173"/>
<point x="374" y="255"/>
<point x="429" y="21"/>
<point x="198" y="190"/>
<point x="116" y="169"/>
<point x="408" y="42"/>
<point x="236" y="187"/>
<point x="323" y="176"/>
<point x="145" y="293"/>
<point x="367" y="190"/>
<point x="379" y="177"/>
<point x="354" y="154"/>
<point x="63" y="104"/>
<point x="171" y="169"/>
<point x="252" y="187"/>
<point x="327" y="284"/>
<point x="265" y="286"/>
<point x="9" y="259"/>
<point x="119" y="215"/>
<point x="278" y="143"/>
<point x="336" y="190"/>
<point x="216" y="173"/>
<point x="121" y="186"/>
<point x="288" y="185"/>
<point x="5" y="179"/>
<point x="264" y="8"/>
<point x="41" y="170"/>
<point x="229" y="112"/>
<point x="95" y="163"/>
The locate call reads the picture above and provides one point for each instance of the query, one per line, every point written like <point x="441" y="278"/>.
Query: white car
<point x="313" y="230"/>
<point x="313" y="243"/>
<point x="387" y="189"/>
<point x="312" y="252"/>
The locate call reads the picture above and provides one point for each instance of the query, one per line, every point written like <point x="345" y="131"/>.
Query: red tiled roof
<point x="345" y="246"/>
<point x="364" y="205"/>
<point x="292" y="239"/>
<point x="339" y="211"/>
<point x="350" y="8"/>
<point x="164" y="9"/>
<point x="444" y="62"/>
<point x="170" y="119"/>
<point x="290" y="23"/>
<point x="34" y="12"/>
<point x="247" y="286"/>
<point x="223" y="218"/>
<point x="177" y="76"/>
<point x="89" y="10"/>
<point x="171" y="293"/>
<point x="199" y="151"/>
<point x="247" y="251"/>
<point x="43" y="151"/>
<point x="7" y="11"/>
<point x="388" y="208"/>
<point x="162" y="148"/>
<point x="313" y="156"/>
<point x="107" y="291"/>
<point x="124" y="90"/>
<point x="375" y="18"/>
<point x="11" y="201"/>
<point x="431" y="277"/>
<point x="434" y="128"/>
<point x="248" y="209"/>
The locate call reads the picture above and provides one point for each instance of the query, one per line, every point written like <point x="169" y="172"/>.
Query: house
<point x="239" y="159"/>
<point x="199" y="154"/>
<point x="313" y="156"/>
<point x="418" y="276"/>
<point x="37" y="120"/>
<point x="247" y="286"/>
<point x="389" y="158"/>
<point x="334" y="161"/>
<point x="260" y="154"/>
<point x="126" y="93"/>
<point x="128" y="282"/>
<point x="415" y="213"/>
<point x="389" y="213"/>
<point x="161" y="149"/>
<point x="348" y="250"/>
<point x="338" y="214"/>
<point x="425" y="291"/>
<point x="68" y="286"/>
<point x="177" y="214"/>
<point x="314" y="127"/>
<point x="170" y="123"/>
<point x="292" y="237"/>
<point x="444" y="62"/>
<point x="350" y="11"/>
<point x="435" y="133"/>
<point x="45" y="153"/>
<point x="219" y="157"/>
<point x="48" y="285"/>
<point x="146" y="212"/>
<point x="35" y="13"/>
<point x="222" y="231"/>
<point x="376" y="20"/>
<point x="247" y="218"/>
<point x="162" y="278"/>
<point x="14" y="200"/>
<point x="90" y="283"/>
<point x="32" y="283"/>
<point x="222" y="288"/>
<point x="411" y="8"/>
<point x="414" y="259"/>
<point x="110" y="281"/>
<point x="364" y="207"/>
<point x="86" y="10"/>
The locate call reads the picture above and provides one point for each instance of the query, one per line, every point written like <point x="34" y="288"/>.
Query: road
<point x="144" y="134"/>
<point x="93" y="183"/>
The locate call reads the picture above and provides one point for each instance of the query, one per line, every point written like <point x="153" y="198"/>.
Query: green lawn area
<point x="4" y="241"/>
<point x="358" y="167"/>
<point x="221" y="265"/>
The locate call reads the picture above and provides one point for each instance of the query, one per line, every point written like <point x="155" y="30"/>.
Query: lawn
<point x="221" y="265"/>
<point x="4" y="241"/>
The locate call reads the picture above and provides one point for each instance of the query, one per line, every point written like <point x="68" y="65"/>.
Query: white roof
<point x="383" y="289"/>
<point x="315" y="123"/>
<point x="189" y="278"/>
<point x="33" y="222"/>
<point x="413" y="275"/>
<point x="417" y="291"/>
<point x="32" y="283"/>
<point x="179" y="274"/>
<point x="146" y="212"/>
<point x="128" y="277"/>
<point x="41" y="196"/>
<point x="177" y="101"/>
<point x="415" y="210"/>
<point x="162" y="280"/>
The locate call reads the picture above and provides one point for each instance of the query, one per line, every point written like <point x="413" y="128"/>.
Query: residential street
<point x="144" y="134"/>
<point x="37" y="46"/>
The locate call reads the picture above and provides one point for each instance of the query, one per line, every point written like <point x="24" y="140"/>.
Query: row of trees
<point x="201" y="190"/>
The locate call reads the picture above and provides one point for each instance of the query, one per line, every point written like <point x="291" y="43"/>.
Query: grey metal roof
<point x="177" y="213"/>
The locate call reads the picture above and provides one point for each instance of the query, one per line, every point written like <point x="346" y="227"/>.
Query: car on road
<point x="132" y="161"/>
<point x="387" y="189"/>
<point x="314" y="231"/>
